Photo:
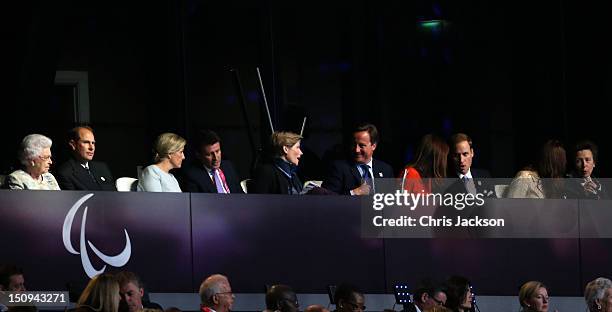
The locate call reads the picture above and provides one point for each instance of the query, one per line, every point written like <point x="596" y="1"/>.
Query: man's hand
<point x="363" y="189"/>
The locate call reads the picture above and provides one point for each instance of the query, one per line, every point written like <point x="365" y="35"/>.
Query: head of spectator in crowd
<point x="11" y="278"/>
<point x="431" y="157"/>
<point x="585" y="154"/>
<point x="82" y="143"/>
<point x="281" y="298"/>
<point x="462" y="152"/>
<point x="316" y="308"/>
<point x="35" y="155"/>
<point x="101" y="294"/>
<point x="598" y="295"/>
<point x="429" y="294"/>
<point x="131" y="290"/>
<point x="458" y="294"/>
<point x="216" y="294"/>
<point x="349" y="299"/>
<point x="533" y="297"/>
<point x="364" y="142"/>
<point x="208" y="150"/>
<point x="168" y="151"/>
<point x="286" y="145"/>
<point x="438" y="309"/>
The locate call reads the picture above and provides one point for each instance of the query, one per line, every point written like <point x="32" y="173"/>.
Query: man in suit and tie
<point x="81" y="172"/>
<point x="471" y="180"/>
<point x="359" y="175"/>
<point x="210" y="174"/>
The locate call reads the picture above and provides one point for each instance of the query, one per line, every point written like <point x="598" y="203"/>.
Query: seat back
<point x="244" y="186"/>
<point x="126" y="184"/>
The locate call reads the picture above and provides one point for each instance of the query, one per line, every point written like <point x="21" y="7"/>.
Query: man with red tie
<point x="216" y="294"/>
<point x="209" y="174"/>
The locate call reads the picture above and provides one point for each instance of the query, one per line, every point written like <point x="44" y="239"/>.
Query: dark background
<point x="509" y="73"/>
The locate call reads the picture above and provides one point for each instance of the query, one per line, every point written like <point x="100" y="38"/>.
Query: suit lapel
<point x="207" y="182"/>
<point x="83" y="177"/>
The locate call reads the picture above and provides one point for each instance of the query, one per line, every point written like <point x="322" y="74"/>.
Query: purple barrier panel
<point x="307" y="242"/>
<point x="494" y="266"/>
<point x="596" y="244"/>
<point x="498" y="266"/>
<point x="44" y="232"/>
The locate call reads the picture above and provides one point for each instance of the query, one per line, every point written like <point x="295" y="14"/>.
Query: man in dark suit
<point x="359" y="175"/>
<point x="81" y="172"/>
<point x="471" y="180"/>
<point x="209" y="174"/>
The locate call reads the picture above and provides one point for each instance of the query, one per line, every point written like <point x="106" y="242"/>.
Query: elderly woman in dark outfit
<point x="280" y="175"/>
<point x="598" y="295"/>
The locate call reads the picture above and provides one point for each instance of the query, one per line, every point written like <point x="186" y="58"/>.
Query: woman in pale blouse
<point x="168" y="154"/>
<point x="35" y="156"/>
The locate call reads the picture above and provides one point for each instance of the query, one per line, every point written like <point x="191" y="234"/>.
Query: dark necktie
<point x="367" y="178"/>
<point x="91" y="175"/>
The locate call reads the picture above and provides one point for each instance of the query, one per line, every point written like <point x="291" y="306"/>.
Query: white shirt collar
<point x="468" y="174"/>
<point x="85" y="165"/>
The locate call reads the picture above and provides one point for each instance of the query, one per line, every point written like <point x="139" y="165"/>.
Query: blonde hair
<point x="528" y="290"/>
<point x="166" y="144"/>
<point x="280" y="139"/>
<point x="101" y="294"/>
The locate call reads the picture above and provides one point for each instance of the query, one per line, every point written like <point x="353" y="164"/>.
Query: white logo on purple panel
<point x="117" y="261"/>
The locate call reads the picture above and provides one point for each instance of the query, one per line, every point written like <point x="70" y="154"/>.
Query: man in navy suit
<point x="359" y="175"/>
<point x="209" y="174"/>
<point x="81" y="172"/>
<point x="471" y="180"/>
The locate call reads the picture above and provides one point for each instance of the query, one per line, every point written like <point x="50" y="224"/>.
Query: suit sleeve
<point x="263" y="182"/>
<point x="334" y="181"/>
<point x="64" y="181"/>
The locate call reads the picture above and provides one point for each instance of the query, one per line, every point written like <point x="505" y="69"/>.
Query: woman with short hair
<point x="533" y="297"/>
<point x="598" y="295"/>
<point x="167" y="154"/>
<point x="35" y="156"/>
<point x="280" y="175"/>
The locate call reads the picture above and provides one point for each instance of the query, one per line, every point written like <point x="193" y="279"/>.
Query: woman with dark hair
<point x="458" y="294"/>
<point x="533" y="297"/>
<point x="546" y="181"/>
<point x="429" y="166"/>
<point x="584" y="184"/>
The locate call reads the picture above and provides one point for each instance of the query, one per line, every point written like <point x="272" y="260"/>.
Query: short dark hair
<point x="371" y="129"/>
<point x="458" y="138"/>
<point x="125" y="277"/>
<point x="427" y="286"/>
<point x="587" y="145"/>
<point x="206" y="137"/>
<point x="275" y="294"/>
<point x="73" y="134"/>
<point x="456" y="290"/>
<point x="345" y="291"/>
<point x="6" y="271"/>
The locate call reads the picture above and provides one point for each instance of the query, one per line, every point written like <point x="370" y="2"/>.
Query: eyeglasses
<point x="439" y="302"/>
<point x="45" y="158"/>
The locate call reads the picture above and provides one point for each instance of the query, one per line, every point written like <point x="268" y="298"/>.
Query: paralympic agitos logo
<point x="117" y="261"/>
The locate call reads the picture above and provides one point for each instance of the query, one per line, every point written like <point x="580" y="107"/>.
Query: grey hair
<point x="32" y="146"/>
<point x="594" y="290"/>
<point x="210" y="287"/>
